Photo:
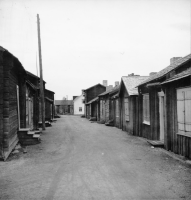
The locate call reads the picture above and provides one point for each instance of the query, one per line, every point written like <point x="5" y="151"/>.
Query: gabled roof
<point x="130" y="83"/>
<point x="166" y="70"/>
<point x="49" y="91"/>
<point x="33" y="75"/>
<point x="63" y="102"/>
<point x="109" y="91"/>
<point x="29" y="73"/>
<point x="94" y="86"/>
<point x="3" y="49"/>
<point x="181" y="75"/>
<point x="91" y="101"/>
<point x="16" y="59"/>
<point x="115" y="90"/>
<point x="77" y="97"/>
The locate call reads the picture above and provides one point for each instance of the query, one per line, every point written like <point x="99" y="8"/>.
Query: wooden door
<point x="27" y="112"/>
<point x="51" y="113"/>
<point x="161" y="113"/>
<point x="31" y="124"/>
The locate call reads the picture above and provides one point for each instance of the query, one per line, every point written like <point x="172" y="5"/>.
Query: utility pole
<point x="41" y="76"/>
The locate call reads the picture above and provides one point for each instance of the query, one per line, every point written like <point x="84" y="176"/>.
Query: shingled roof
<point x="94" y="86"/>
<point x="91" y="101"/>
<point x="131" y="82"/>
<point x="181" y="75"/>
<point x="166" y="70"/>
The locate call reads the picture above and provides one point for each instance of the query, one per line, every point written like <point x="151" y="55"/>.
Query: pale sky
<point x="87" y="41"/>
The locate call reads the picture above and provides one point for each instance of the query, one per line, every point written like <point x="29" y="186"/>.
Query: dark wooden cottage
<point x="89" y="94"/>
<point x="32" y="101"/>
<point x="165" y="106"/>
<point x="114" y="107"/>
<point x="12" y="96"/>
<point x="104" y="102"/>
<point x="49" y="105"/>
<point x="177" y="125"/>
<point x="128" y="102"/>
<point x="92" y="108"/>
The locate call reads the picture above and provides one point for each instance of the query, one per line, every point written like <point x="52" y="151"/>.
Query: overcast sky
<point x="87" y="41"/>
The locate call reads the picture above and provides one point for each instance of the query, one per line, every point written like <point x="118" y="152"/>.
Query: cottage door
<point x="161" y="113"/>
<point x="51" y="113"/>
<point x="31" y="125"/>
<point x="27" y="112"/>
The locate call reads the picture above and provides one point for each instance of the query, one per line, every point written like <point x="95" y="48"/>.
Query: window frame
<point x="146" y="109"/>
<point x="126" y="106"/>
<point x="182" y="108"/>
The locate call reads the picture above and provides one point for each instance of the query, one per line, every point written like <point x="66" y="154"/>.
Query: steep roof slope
<point x="181" y="75"/>
<point x="171" y="67"/>
<point x="94" y="86"/>
<point x="131" y="82"/>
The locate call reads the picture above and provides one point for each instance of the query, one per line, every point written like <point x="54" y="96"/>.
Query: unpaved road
<point x="82" y="160"/>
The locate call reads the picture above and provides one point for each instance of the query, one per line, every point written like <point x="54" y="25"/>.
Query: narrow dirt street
<point x="81" y="160"/>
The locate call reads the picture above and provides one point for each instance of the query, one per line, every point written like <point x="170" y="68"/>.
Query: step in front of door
<point x="27" y="137"/>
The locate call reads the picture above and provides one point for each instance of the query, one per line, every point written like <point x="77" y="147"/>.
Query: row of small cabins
<point x="20" y="113"/>
<point x="157" y="107"/>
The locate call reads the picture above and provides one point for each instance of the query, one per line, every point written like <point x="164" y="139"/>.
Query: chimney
<point x="109" y="87"/>
<point x="172" y="60"/>
<point x="152" y="73"/>
<point x="116" y="83"/>
<point x="132" y="74"/>
<point x="105" y="83"/>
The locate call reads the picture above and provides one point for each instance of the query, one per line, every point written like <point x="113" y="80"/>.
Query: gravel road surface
<point x="81" y="160"/>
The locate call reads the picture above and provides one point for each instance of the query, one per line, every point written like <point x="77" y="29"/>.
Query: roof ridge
<point x="168" y="69"/>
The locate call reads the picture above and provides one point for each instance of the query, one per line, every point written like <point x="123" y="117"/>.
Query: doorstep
<point x="156" y="143"/>
<point x="178" y="157"/>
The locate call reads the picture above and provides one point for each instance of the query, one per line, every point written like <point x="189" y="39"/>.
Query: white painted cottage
<point x="79" y="105"/>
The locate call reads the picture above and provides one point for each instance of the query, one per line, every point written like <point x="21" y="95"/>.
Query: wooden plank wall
<point x="13" y="114"/>
<point x="176" y="143"/>
<point x="117" y="118"/>
<point x="111" y="109"/>
<point x="154" y="115"/>
<point x="47" y="110"/>
<point x="94" y="92"/>
<point x="107" y="109"/>
<point x="8" y="62"/>
<point x="1" y="103"/>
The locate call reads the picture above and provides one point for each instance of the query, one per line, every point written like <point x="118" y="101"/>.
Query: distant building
<point x="91" y="93"/>
<point x="79" y="105"/>
<point x="64" y="107"/>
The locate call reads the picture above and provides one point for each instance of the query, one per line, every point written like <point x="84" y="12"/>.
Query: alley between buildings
<point x="81" y="160"/>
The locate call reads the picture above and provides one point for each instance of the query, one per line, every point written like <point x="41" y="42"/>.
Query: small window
<point x="146" y="109"/>
<point x="126" y="102"/>
<point x="80" y="109"/>
<point x="183" y="111"/>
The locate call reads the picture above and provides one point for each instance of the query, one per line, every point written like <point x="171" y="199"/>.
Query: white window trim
<point x="146" y="121"/>
<point x="183" y="132"/>
<point x="127" y="116"/>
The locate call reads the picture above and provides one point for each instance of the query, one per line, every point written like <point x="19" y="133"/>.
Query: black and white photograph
<point x="95" y="99"/>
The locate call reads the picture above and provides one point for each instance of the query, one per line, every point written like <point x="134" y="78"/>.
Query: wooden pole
<point x="41" y="76"/>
